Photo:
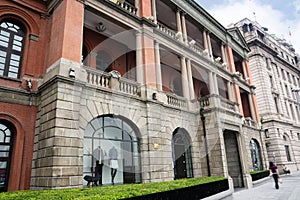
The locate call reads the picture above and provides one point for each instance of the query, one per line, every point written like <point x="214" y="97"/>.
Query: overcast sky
<point x="279" y="16"/>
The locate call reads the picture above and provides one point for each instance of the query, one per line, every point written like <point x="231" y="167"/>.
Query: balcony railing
<point x="176" y="101"/>
<point x="167" y="31"/>
<point x="102" y="79"/>
<point x="129" y="87"/>
<point x="128" y="7"/>
<point x="250" y="122"/>
<point x="212" y="101"/>
<point x="97" y="78"/>
<point x="227" y="104"/>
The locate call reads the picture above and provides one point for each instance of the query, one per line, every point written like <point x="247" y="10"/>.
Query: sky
<point x="281" y="17"/>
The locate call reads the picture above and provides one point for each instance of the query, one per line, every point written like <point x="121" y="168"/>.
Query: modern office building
<point x="275" y="68"/>
<point x="162" y="82"/>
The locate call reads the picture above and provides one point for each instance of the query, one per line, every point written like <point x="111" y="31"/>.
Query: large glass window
<point x="112" y="141"/>
<point x="11" y="49"/>
<point x="6" y="141"/>
<point x="255" y="155"/>
<point x="182" y="156"/>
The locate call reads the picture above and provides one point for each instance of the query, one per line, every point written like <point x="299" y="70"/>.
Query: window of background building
<point x="287" y="91"/>
<point x="287" y="151"/>
<point x="287" y="109"/>
<point x="271" y="81"/>
<point x="292" y="111"/>
<point x="278" y="132"/>
<point x="276" y="104"/>
<point x="298" y="135"/>
<point x="267" y="133"/>
<point x="282" y="74"/>
<point x="291" y="132"/>
<point x="12" y="38"/>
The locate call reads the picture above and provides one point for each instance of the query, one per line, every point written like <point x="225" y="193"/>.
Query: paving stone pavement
<point x="288" y="190"/>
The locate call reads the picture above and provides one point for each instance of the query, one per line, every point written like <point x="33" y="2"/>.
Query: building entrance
<point x="233" y="158"/>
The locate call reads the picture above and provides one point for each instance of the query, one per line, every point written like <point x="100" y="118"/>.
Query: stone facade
<point x="143" y="63"/>
<point x="274" y="66"/>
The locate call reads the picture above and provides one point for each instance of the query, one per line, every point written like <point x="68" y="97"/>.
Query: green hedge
<point x="106" y="192"/>
<point x="259" y="171"/>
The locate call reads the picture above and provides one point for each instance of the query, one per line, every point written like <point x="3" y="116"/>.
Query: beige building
<point x="275" y="68"/>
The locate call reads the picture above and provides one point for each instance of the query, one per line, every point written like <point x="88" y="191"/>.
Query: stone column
<point x="209" y="46"/>
<point x="252" y="111"/>
<point x="184" y="78"/>
<point x="216" y="83"/>
<point x="158" y="67"/>
<point x="190" y="79"/>
<point x="211" y="83"/>
<point x="93" y="59"/>
<point x="137" y="5"/>
<point x="254" y="103"/>
<point x="178" y="22"/>
<point x="245" y="74"/>
<point x="139" y="59"/>
<point x="230" y="59"/>
<point x="230" y="92"/>
<point x="184" y="32"/>
<point x="154" y="11"/>
<point x="224" y="57"/>
<point x="205" y="39"/>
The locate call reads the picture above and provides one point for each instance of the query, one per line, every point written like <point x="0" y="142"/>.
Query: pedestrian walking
<point x="275" y="173"/>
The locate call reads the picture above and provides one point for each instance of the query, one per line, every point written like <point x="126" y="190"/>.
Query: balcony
<point x="125" y="6"/>
<point x="104" y="80"/>
<point x="215" y="101"/>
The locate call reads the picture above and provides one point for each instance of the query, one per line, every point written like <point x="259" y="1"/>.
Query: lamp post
<point x="205" y="140"/>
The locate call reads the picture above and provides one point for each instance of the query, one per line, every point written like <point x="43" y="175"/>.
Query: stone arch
<point x="256" y="154"/>
<point x="182" y="154"/>
<point x="110" y="138"/>
<point x="12" y="12"/>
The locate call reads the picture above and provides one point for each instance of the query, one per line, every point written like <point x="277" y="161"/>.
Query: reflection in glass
<point x="106" y="132"/>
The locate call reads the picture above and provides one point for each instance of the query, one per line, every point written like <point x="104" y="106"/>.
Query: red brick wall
<point x="23" y="118"/>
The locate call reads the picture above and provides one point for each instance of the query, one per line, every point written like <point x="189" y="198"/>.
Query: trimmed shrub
<point x="256" y="175"/>
<point x="108" y="192"/>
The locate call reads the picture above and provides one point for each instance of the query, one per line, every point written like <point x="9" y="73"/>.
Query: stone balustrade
<point x="128" y="7"/>
<point x="176" y="101"/>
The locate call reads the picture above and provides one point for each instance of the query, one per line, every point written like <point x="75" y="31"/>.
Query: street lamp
<point x="205" y="140"/>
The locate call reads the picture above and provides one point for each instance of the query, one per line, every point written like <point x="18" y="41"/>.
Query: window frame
<point x="12" y="48"/>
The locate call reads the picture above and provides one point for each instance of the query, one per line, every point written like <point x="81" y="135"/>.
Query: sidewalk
<point x="288" y="190"/>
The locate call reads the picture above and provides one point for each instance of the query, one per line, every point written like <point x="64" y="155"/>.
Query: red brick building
<point x="81" y="74"/>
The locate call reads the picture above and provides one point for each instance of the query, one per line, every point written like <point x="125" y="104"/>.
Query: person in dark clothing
<point x="275" y="173"/>
<point x="98" y="172"/>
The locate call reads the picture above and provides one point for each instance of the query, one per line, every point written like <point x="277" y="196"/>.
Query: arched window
<point x="182" y="156"/>
<point x="108" y="138"/>
<point x="255" y="155"/>
<point x="6" y="145"/>
<point x="12" y="38"/>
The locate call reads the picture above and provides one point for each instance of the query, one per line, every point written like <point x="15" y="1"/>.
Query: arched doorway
<point x="182" y="156"/>
<point x="255" y="155"/>
<point x="6" y="148"/>
<point x="233" y="158"/>
<point x="108" y="139"/>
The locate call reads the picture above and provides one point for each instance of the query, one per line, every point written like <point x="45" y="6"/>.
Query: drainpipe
<point x="205" y="140"/>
